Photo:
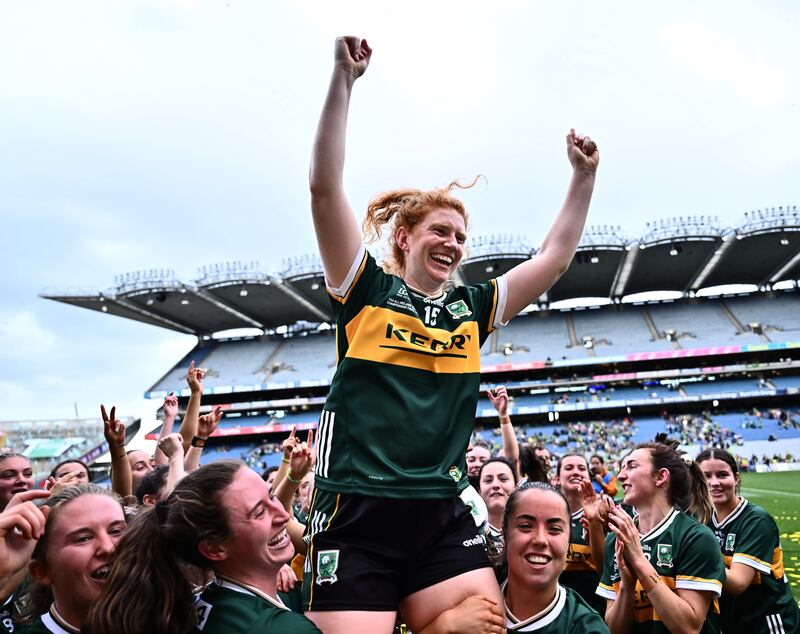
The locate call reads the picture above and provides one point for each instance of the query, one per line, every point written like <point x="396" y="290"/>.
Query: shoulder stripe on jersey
<point x="698" y="583"/>
<point x="753" y="562"/>
<point x="341" y="293"/>
<point x="500" y="297"/>
<point x="607" y="592"/>
<point x="775" y="624"/>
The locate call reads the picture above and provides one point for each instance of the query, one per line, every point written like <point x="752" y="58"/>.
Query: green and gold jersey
<point x="227" y="607"/>
<point x="567" y="614"/>
<point x="750" y="536"/>
<point x="686" y="556"/>
<point x="48" y="623"/>
<point x="580" y="573"/>
<point x="402" y="402"/>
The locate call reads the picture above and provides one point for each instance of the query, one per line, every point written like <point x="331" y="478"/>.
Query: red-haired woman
<point x="387" y="527"/>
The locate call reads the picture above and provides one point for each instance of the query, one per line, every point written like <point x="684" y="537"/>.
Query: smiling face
<point x="722" y="482"/>
<point x="497" y="483"/>
<point x="259" y="544"/>
<point x="16" y="476"/>
<point x="572" y="474"/>
<point x="80" y="542"/>
<point x="537" y="539"/>
<point x="433" y="249"/>
<point x="476" y="457"/>
<point x="636" y="477"/>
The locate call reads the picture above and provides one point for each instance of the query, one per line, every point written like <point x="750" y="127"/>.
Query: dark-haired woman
<point x="755" y="596"/>
<point x="401" y="406"/>
<point x="223" y="518"/>
<point x="497" y="482"/>
<point x="537" y="529"/>
<point x="585" y="555"/>
<point x="70" y="561"/>
<point x="663" y="571"/>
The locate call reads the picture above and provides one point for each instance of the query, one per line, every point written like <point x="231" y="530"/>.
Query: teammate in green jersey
<point x="70" y="560"/>
<point x="663" y="571"/>
<point x="536" y="525"/>
<point x="402" y="402"/>
<point x="587" y="537"/>
<point x="755" y="596"/>
<point x="497" y="481"/>
<point x="222" y="518"/>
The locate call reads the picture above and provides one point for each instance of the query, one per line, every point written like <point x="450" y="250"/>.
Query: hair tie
<point x="687" y="459"/>
<point x="162" y="509"/>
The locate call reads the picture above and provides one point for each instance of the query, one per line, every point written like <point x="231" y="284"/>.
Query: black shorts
<point x="368" y="553"/>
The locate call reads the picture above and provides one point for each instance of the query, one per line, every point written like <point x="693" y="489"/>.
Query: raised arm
<point x="188" y="430"/>
<point x="172" y="447"/>
<point x="114" y="430"/>
<point x="527" y="281"/>
<point x="499" y="399"/>
<point x="170" y="408"/>
<point x="206" y="426"/>
<point x="338" y="235"/>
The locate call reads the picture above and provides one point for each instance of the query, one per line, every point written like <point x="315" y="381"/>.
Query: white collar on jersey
<point x="57" y="624"/>
<point x="243" y="588"/>
<point x="734" y="514"/>
<point x="537" y="621"/>
<point x="663" y="525"/>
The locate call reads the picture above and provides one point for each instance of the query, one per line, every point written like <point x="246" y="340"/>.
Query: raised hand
<point x="170" y="406"/>
<point x="290" y="443"/>
<point x="499" y="398"/>
<point x="474" y="615"/>
<point x="56" y="485"/>
<point x="595" y="507"/>
<point x="302" y="458"/>
<point x="286" y="578"/>
<point x="621" y="524"/>
<point x="352" y="55"/>
<point x="194" y="377"/>
<point x="207" y="424"/>
<point x="171" y="445"/>
<point x="113" y="429"/>
<point x="21" y="525"/>
<point x="582" y="152"/>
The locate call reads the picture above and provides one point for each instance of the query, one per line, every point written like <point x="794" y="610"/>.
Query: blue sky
<point x="174" y="133"/>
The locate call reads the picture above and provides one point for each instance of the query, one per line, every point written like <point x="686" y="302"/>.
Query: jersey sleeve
<point x="489" y="302"/>
<point x="362" y="281"/>
<point x="700" y="565"/>
<point x="756" y="542"/>
<point x="610" y="574"/>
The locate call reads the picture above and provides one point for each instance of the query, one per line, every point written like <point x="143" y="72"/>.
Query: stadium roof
<point x="682" y="254"/>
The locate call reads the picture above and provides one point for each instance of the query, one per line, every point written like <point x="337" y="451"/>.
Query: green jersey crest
<point x="327" y="565"/>
<point x="455" y="473"/>
<point x="730" y="540"/>
<point x="459" y="309"/>
<point x="664" y="554"/>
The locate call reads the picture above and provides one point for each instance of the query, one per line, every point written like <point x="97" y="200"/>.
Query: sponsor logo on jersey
<point x="730" y="540"/>
<point x="327" y="565"/>
<point x="455" y="473"/>
<point x="664" y="554"/>
<point x="402" y="292"/>
<point x="422" y="340"/>
<point x="458" y="309"/>
<point x="475" y="541"/>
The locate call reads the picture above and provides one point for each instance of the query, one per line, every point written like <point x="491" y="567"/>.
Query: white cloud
<point x="715" y="56"/>
<point x="22" y="335"/>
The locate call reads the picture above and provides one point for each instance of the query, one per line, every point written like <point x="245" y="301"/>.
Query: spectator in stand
<point x="544" y="456"/>
<point x="429" y="420"/>
<point x="70" y="561"/>
<point x="532" y="469"/>
<point x="16" y="476"/>
<point x="603" y="481"/>
<point x="755" y="596"/>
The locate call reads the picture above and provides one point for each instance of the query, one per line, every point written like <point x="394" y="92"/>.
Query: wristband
<point x="505" y="420"/>
<point x="291" y="479"/>
<point x="198" y="441"/>
<point x="286" y="460"/>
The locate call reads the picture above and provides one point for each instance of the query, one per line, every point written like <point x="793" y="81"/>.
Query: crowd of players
<point x="392" y="533"/>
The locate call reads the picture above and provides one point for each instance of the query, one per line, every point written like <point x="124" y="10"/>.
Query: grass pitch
<point x="779" y="494"/>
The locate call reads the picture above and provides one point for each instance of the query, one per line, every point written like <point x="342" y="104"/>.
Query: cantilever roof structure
<point x="683" y="254"/>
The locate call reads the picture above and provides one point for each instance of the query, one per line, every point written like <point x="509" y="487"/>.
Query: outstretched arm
<point x="170" y="408"/>
<point x="529" y="280"/>
<point x="114" y="430"/>
<point x="338" y="235"/>
<point x="499" y="398"/>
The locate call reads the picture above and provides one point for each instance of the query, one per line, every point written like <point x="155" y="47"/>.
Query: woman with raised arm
<point x="755" y="596"/>
<point x="663" y="570"/>
<point x="386" y="526"/>
<point x="220" y="518"/>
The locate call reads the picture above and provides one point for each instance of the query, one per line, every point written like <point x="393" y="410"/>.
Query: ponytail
<point x="701" y="506"/>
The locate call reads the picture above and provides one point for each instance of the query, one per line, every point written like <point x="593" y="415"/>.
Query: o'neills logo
<point x="425" y="343"/>
<point x="475" y="541"/>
